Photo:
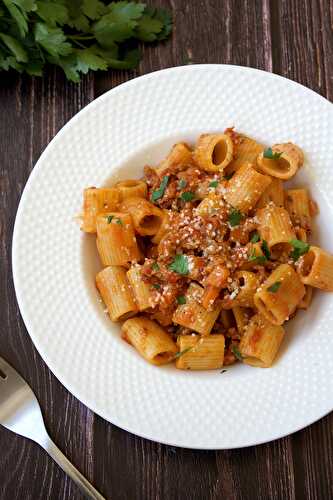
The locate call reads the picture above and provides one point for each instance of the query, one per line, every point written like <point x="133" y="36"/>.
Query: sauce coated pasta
<point x="207" y="256"/>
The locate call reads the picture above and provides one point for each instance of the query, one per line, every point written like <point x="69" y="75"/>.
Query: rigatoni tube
<point x="97" y="201"/>
<point x="116" y="293"/>
<point x="276" y="228"/>
<point x="116" y="242"/>
<point x="193" y="315"/>
<point x="290" y="158"/>
<point x="315" y="268"/>
<point x="260" y="342"/>
<point x="150" y="340"/>
<point x="147" y="218"/>
<point x="214" y="152"/>
<point x="245" y="188"/>
<point x="200" y="353"/>
<point x="279" y="296"/>
<point x="141" y="290"/>
<point x="131" y="189"/>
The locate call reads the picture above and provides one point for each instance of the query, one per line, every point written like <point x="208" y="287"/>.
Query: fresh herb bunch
<point x="77" y="35"/>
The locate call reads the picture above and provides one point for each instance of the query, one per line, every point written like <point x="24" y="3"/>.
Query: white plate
<point x="54" y="264"/>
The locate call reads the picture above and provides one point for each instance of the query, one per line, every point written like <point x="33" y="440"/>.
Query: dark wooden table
<point x="289" y="37"/>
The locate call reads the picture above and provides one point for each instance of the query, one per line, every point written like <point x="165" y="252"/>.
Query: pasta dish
<point x="207" y="256"/>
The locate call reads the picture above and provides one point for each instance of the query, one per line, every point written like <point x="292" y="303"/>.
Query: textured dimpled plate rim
<point x="54" y="263"/>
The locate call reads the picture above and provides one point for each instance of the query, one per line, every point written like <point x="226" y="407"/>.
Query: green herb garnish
<point x="213" y="184"/>
<point x="187" y="196"/>
<point x="157" y="286"/>
<point x="258" y="259"/>
<point x="179" y="264"/>
<point x="119" y="221"/>
<point x="236" y="352"/>
<point x="255" y="238"/>
<point x="155" y="266"/>
<point x="76" y="35"/>
<point x="180" y="353"/>
<point x="265" y="249"/>
<point x="274" y="288"/>
<point x="300" y="248"/>
<point x="159" y="193"/>
<point x="227" y="177"/>
<point x="268" y="153"/>
<point x="235" y="217"/>
<point x="181" y="299"/>
<point x="109" y="218"/>
<point x="182" y="184"/>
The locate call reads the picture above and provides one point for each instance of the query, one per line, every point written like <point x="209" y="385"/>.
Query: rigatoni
<point x="275" y="227"/>
<point x="97" y="201"/>
<point x="214" y="152"/>
<point x="288" y="159"/>
<point x="260" y="342"/>
<point x="274" y="193"/>
<point x="245" y="188"/>
<point x="131" y="189"/>
<point x="200" y="353"/>
<point x="242" y="317"/>
<point x="315" y="268"/>
<point x="150" y="340"/>
<point x="178" y="159"/>
<point x="142" y="291"/>
<point x="193" y="315"/>
<point x="147" y="218"/>
<point x="245" y="151"/>
<point x="116" y="242"/>
<point x="279" y="296"/>
<point x="164" y="227"/>
<point x="297" y="202"/>
<point x="116" y="293"/>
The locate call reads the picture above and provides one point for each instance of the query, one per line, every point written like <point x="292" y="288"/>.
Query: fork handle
<point x="85" y="487"/>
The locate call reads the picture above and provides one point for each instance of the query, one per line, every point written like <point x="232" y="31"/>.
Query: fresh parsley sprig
<point x="159" y="193"/>
<point x="300" y="248"/>
<point x="274" y="288"/>
<point x="77" y="36"/>
<point x="180" y="264"/>
<point x="270" y="155"/>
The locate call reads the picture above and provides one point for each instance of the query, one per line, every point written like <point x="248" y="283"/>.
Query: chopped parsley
<point x="181" y="299"/>
<point x="159" y="193"/>
<point x="182" y="184"/>
<point x="179" y="264"/>
<point x="236" y="352"/>
<point x="274" y="288"/>
<point x="268" y="153"/>
<point x="213" y="184"/>
<point x="157" y="286"/>
<point x="258" y="259"/>
<point x="109" y="218"/>
<point x="235" y="217"/>
<point x="228" y="176"/>
<point x="187" y="196"/>
<point x="155" y="266"/>
<point x="119" y="221"/>
<point x="300" y="248"/>
<point x="255" y="238"/>
<point x="265" y="249"/>
<point x="180" y="353"/>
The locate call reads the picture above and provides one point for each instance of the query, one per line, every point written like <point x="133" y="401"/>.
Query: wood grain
<point x="291" y="38"/>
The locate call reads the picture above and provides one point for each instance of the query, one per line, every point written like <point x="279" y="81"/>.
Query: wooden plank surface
<point x="290" y="37"/>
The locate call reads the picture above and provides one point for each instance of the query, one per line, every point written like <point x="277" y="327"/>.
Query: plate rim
<point x="20" y="300"/>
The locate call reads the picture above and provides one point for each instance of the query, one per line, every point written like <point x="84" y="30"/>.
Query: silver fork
<point x="20" y="412"/>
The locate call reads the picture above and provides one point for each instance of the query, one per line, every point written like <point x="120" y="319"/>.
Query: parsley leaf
<point x="213" y="184"/>
<point x="159" y="193"/>
<point x="268" y="153"/>
<point x="179" y="264"/>
<point x="52" y="40"/>
<point x="274" y="288"/>
<point x="228" y="176"/>
<point x="155" y="266"/>
<point x="15" y="47"/>
<point x="182" y="184"/>
<point x="87" y="59"/>
<point x="300" y="248"/>
<point x="265" y="249"/>
<point x="187" y="196"/>
<point x="52" y="13"/>
<point x="236" y="352"/>
<point x="157" y="286"/>
<point x="181" y="299"/>
<point x="255" y="238"/>
<point x="119" y="221"/>
<point x="259" y="259"/>
<point x="109" y="218"/>
<point x="235" y="217"/>
<point x="180" y="353"/>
